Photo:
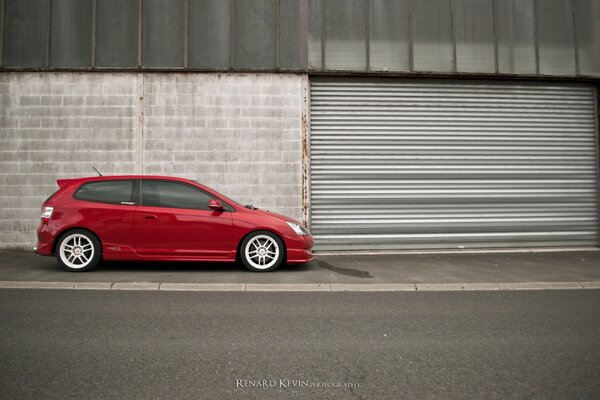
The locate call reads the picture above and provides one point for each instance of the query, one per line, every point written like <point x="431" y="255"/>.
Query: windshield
<point x="223" y="196"/>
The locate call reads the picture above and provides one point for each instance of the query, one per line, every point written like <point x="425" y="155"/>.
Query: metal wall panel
<point x="315" y="45"/>
<point x="474" y="32"/>
<point x="255" y="34"/>
<point x="293" y="30"/>
<point x="508" y="37"/>
<point x="71" y="33"/>
<point x="587" y="28"/>
<point x="209" y="34"/>
<point x="432" y="35"/>
<point x="25" y="33"/>
<point x="556" y="37"/>
<point x="117" y="33"/>
<point x="163" y="23"/>
<point x="346" y="35"/>
<point x="515" y="34"/>
<point x="389" y="35"/>
<point x="438" y="164"/>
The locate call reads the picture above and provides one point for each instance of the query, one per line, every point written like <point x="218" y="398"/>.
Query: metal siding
<point x="254" y="34"/>
<point x="117" y="33"/>
<point x="71" y="33"/>
<point x="209" y="34"/>
<point x="440" y="164"/>
<point x="25" y="33"/>
<point x="163" y="33"/>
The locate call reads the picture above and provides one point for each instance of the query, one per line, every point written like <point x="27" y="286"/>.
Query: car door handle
<point x="150" y="216"/>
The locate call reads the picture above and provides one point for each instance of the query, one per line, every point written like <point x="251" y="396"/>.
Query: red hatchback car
<point x="140" y="217"/>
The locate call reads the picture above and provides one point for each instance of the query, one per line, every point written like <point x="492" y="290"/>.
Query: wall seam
<point x="575" y="44"/>
<point x="139" y="38"/>
<point x="495" y="33"/>
<point x="535" y="38"/>
<point x="453" y="36"/>
<point x="277" y="34"/>
<point x="367" y="34"/>
<point x="231" y="33"/>
<point x="186" y="36"/>
<point x="94" y="28"/>
<point x="48" y="30"/>
<point x="323" y="35"/>
<point x="2" y="5"/>
<point x="411" y="61"/>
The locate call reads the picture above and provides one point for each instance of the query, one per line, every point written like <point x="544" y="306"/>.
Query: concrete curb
<point x="301" y="287"/>
<point x="539" y="285"/>
<point x="375" y="287"/>
<point x="191" y="287"/>
<point x="440" y="287"/>
<point x="287" y="287"/>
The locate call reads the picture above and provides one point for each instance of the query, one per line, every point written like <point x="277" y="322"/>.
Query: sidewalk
<point x="458" y="271"/>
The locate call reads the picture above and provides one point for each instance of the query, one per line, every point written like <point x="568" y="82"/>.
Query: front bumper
<point x="302" y="253"/>
<point x="299" y="256"/>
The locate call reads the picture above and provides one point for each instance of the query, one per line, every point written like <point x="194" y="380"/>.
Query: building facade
<point x="382" y="124"/>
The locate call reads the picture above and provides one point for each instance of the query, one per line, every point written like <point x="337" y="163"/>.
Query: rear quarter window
<point x="110" y="192"/>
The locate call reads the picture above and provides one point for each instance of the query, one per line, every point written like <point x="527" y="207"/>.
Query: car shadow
<point x="191" y="266"/>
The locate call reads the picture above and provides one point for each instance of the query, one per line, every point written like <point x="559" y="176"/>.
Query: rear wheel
<point x="262" y="251"/>
<point x="78" y="251"/>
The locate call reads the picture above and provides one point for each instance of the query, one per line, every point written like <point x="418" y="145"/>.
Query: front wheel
<point x="262" y="251"/>
<point x="78" y="251"/>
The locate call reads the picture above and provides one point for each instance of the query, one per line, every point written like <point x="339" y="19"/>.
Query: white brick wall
<point x="237" y="133"/>
<point x="57" y="125"/>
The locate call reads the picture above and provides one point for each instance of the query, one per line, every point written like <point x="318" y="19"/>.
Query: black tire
<point x="272" y="255"/>
<point x="78" y="251"/>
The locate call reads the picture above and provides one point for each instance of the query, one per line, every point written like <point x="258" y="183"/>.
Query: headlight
<point x="299" y="229"/>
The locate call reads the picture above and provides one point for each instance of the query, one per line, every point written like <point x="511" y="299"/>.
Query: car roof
<point x="62" y="182"/>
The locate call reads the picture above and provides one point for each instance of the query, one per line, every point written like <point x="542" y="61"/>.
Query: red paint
<point x="138" y="232"/>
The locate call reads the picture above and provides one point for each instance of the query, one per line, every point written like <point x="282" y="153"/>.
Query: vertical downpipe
<point x="305" y="151"/>
<point x="139" y="140"/>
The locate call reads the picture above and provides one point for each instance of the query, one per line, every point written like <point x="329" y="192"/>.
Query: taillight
<point x="47" y="213"/>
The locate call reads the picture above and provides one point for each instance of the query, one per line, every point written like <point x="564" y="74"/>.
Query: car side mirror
<point x="215" y="205"/>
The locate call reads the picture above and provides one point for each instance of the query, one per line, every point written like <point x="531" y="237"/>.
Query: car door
<point x="174" y="220"/>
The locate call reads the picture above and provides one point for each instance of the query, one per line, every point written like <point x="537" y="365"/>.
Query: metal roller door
<point x="438" y="164"/>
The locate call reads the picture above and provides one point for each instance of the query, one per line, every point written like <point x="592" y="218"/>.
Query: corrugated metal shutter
<point x="439" y="164"/>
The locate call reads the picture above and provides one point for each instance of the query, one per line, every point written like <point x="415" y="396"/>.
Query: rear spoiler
<point x="63" y="182"/>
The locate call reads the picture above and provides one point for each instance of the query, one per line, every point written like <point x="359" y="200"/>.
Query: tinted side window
<point x="112" y="192"/>
<point x="174" y="195"/>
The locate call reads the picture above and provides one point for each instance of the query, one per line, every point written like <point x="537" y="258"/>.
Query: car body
<point x="142" y="217"/>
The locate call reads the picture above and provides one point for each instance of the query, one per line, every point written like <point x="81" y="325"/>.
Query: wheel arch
<point x="65" y="231"/>
<point x="239" y="244"/>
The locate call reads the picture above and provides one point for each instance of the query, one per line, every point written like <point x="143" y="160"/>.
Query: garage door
<point x="439" y="164"/>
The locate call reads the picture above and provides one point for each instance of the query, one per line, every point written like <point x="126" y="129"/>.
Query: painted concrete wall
<point x="237" y="133"/>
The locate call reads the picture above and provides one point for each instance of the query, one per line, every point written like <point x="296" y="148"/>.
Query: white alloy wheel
<point x="262" y="252"/>
<point x="76" y="251"/>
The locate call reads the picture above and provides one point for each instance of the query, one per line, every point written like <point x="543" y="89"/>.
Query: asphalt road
<point x="59" y="344"/>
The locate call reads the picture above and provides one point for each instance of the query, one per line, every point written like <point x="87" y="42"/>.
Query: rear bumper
<point x="44" y="249"/>
<point x="45" y="241"/>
